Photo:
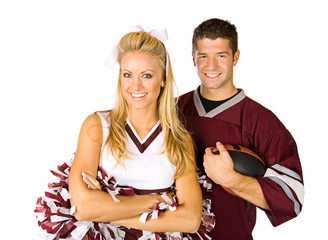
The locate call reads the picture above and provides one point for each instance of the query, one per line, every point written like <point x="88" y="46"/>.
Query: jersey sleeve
<point x="282" y="184"/>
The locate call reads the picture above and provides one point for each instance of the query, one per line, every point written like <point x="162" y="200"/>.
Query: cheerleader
<point x="134" y="173"/>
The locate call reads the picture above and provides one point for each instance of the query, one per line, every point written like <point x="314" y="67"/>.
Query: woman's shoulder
<point x="104" y="117"/>
<point x="98" y="118"/>
<point x="92" y="129"/>
<point x="103" y="114"/>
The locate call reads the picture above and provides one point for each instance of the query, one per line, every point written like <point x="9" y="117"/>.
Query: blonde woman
<point x="145" y="155"/>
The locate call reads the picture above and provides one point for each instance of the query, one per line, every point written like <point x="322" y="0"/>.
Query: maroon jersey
<point x="240" y="120"/>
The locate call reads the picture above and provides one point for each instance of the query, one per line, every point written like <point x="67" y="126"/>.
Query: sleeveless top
<point x="147" y="167"/>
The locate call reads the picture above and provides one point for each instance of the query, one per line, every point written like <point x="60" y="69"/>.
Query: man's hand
<point x="219" y="168"/>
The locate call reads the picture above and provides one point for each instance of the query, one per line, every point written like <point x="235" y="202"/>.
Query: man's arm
<point x="221" y="170"/>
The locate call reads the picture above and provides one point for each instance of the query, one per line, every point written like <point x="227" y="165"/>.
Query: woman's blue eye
<point x="127" y="75"/>
<point x="147" y="76"/>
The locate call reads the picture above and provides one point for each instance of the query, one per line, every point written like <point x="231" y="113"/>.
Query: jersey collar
<point x="201" y="111"/>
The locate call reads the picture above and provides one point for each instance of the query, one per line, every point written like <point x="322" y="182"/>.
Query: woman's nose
<point x="136" y="83"/>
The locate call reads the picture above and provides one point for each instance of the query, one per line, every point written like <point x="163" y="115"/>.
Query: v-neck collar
<point x="143" y="144"/>
<point x="201" y="111"/>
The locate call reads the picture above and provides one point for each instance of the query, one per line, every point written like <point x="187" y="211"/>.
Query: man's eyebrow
<point x="223" y="52"/>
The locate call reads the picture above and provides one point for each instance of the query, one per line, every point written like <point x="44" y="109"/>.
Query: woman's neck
<point x="143" y="122"/>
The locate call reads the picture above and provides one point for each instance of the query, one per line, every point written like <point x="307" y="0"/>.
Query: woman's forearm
<point x="187" y="216"/>
<point x="99" y="206"/>
<point x="180" y="220"/>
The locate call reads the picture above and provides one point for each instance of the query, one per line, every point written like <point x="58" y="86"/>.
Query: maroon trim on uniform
<point x="144" y="146"/>
<point x="147" y="191"/>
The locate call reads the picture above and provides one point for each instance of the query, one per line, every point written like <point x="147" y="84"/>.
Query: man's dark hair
<point x="216" y="28"/>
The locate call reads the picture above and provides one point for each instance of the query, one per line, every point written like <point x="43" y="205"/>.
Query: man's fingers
<point x="209" y="150"/>
<point x="220" y="147"/>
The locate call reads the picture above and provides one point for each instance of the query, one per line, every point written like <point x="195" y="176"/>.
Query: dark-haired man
<point x="218" y="113"/>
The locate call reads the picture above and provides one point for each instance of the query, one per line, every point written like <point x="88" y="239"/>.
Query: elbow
<point x="193" y="223"/>
<point x="80" y="215"/>
<point x="82" y="200"/>
<point x="193" y="217"/>
<point x="193" y="228"/>
<point x="81" y="212"/>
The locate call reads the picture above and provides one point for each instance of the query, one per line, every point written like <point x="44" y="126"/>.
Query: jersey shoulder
<point x="185" y="99"/>
<point x="255" y="110"/>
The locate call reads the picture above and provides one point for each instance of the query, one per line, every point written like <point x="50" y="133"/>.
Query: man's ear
<point x="194" y="58"/>
<point x="236" y="57"/>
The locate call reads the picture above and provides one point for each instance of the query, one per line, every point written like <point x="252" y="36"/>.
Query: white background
<point x="52" y="75"/>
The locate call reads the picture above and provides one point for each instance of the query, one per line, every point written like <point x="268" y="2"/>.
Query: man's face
<point x="215" y="62"/>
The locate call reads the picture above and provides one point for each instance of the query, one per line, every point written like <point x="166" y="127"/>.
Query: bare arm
<point x="95" y="205"/>
<point x="186" y="218"/>
<point x="220" y="169"/>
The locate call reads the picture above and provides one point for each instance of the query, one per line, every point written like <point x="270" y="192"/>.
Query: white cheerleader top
<point x="147" y="167"/>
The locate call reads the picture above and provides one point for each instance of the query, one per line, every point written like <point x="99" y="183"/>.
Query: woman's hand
<point x="186" y="217"/>
<point x="92" y="183"/>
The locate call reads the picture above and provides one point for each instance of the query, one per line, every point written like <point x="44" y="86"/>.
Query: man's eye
<point x="127" y="75"/>
<point x="147" y="76"/>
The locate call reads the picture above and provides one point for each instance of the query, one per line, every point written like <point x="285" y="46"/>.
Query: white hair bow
<point x="160" y="34"/>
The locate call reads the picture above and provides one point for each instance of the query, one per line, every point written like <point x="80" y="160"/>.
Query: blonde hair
<point x="178" y="144"/>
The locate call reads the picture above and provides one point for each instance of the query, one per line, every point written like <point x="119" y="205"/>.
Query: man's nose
<point x="211" y="63"/>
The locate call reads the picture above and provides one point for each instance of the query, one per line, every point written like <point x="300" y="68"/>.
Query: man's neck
<point x="218" y="94"/>
<point x="209" y="105"/>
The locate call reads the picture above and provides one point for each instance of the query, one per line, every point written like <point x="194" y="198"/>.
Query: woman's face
<point x="141" y="80"/>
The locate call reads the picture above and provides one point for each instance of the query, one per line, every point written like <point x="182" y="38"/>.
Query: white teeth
<point x="138" y="94"/>
<point x="211" y="75"/>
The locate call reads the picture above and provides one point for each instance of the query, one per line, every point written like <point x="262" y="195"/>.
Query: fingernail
<point x="83" y="174"/>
